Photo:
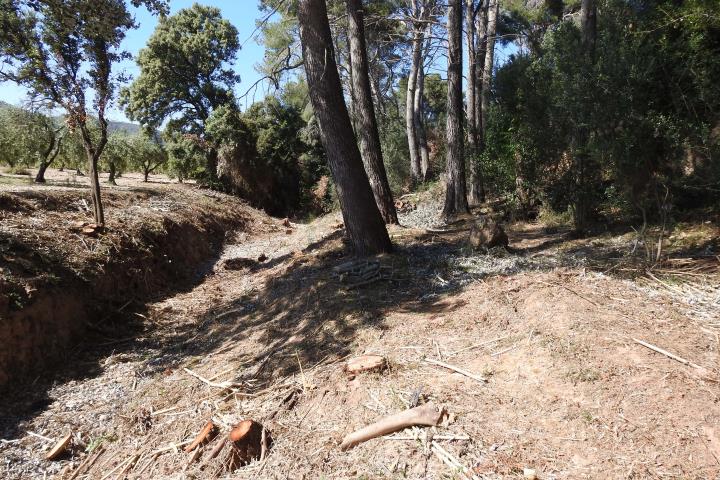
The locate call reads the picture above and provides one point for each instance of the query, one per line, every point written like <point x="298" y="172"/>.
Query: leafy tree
<point x="29" y="138"/>
<point x="186" y="158"/>
<point x="63" y="52"/>
<point x="116" y="155"/>
<point x="185" y="75"/>
<point x="145" y="153"/>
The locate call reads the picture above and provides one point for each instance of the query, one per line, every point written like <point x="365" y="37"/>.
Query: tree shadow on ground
<point x="309" y="314"/>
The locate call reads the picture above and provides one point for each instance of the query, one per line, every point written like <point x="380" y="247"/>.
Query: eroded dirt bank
<point x="550" y="326"/>
<point x="57" y="283"/>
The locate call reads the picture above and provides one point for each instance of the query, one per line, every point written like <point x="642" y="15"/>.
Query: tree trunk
<point x="581" y="207"/>
<point x="93" y="155"/>
<point x="481" y="18"/>
<point x="455" y="194"/>
<point x="417" y="46"/>
<point x="365" y="227"/>
<point x="493" y="8"/>
<point x="111" y="176"/>
<point x="146" y="174"/>
<point x="588" y="26"/>
<point x="49" y="156"/>
<point x="40" y="177"/>
<point x="419" y="111"/>
<point x="474" y="151"/>
<point x="367" y="129"/>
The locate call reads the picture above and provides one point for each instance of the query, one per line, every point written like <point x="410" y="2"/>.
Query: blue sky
<point x="242" y="14"/>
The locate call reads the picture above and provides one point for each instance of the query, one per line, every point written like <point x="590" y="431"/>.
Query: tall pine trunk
<point x="455" y="190"/>
<point x="412" y="135"/>
<point x="474" y="151"/>
<point x="365" y="227"/>
<point x="493" y="9"/>
<point x="425" y="169"/>
<point x="367" y="129"/>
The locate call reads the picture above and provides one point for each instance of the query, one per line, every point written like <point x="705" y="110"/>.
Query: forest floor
<point x="552" y="326"/>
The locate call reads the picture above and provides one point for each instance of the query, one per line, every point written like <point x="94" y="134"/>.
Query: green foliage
<point x="26" y="138"/>
<point x="186" y="159"/>
<point x="641" y="112"/>
<point x="184" y="71"/>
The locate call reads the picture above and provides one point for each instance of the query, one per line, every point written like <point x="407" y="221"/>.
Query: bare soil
<point x="551" y="325"/>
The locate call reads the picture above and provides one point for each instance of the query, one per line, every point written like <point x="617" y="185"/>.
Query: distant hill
<point x="113" y="126"/>
<point x="127" y="127"/>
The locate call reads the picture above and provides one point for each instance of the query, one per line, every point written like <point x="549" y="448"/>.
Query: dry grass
<point x="570" y="394"/>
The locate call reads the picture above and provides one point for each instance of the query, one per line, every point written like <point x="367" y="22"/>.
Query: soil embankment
<point x="57" y="283"/>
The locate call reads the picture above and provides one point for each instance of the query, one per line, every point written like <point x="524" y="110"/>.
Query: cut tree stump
<point x="365" y="363"/>
<point x="60" y="447"/>
<point x="246" y="439"/>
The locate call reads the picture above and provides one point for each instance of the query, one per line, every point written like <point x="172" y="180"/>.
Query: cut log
<point x="60" y="447"/>
<point x="426" y="415"/>
<point x="247" y="443"/>
<point x="365" y="363"/>
<point x="206" y="434"/>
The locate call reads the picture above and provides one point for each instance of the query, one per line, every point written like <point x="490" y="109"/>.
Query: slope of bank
<point x="56" y="282"/>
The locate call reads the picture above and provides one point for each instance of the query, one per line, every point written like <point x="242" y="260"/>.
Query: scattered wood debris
<point x="60" y="447"/>
<point x="365" y="363"/>
<point x="426" y="415"/>
<point x="206" y="434"/>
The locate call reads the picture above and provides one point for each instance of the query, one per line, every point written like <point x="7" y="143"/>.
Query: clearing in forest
<point x="559" y="341"/>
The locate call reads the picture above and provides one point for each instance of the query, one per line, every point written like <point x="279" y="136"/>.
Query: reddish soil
<point x="569" y="392"/>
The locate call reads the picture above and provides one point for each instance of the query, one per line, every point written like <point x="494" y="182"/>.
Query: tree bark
<point x="418" y="40"/>
<point x="455" y="190"/>
<point x="111" y="176"/>
<point x="93" y="155"/>
<point x="365" y="227"/>
<point x="481" y="18"/>
<point x="493" y="9"/>
<point x="367" y="128"/>
<point x="588" y="26"/>
<point x="49" y="155"/>
<point x="419" y="111"/>
<point x="476" y="192"/>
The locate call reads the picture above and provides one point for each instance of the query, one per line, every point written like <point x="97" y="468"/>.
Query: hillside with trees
<point x="472" y="239"/>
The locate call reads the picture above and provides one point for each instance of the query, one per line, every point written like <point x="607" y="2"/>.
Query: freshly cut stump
<point x="60" y="447"/>
<point x="246" y="440"/>
<point x="365" y="363"/>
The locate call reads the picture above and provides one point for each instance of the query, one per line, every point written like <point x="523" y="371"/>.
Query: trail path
<point x="569" y="393"/>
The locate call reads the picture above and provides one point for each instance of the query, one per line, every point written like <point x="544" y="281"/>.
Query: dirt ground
<point x="553" y="327"/>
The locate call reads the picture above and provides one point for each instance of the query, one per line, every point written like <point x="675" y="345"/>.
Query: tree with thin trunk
<point x="493" y="9"/>
<point x="419" y="113"/>
<point x="63" y="53"/>
<point x="367" y="128"/>
<point x="455" y="190"/>
<point x="475" y="192"/>
<point x="54" y="143"/>
<point x="418" y="32"/>
<point x="365" y="227"/>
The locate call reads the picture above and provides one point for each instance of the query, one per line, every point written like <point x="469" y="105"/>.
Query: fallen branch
<point x="456" y="369"/>
<point x="222" y="385"/>
<point x="448" y="459"/>
<point x="427" y="415"/>
<point x="91" y="459"/>
<point x="478" y="345"/>
<point x="667" y="354"/>
<point x="205" y="435"/>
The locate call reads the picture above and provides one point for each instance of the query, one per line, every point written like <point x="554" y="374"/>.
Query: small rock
<point x="529" y="474"/>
